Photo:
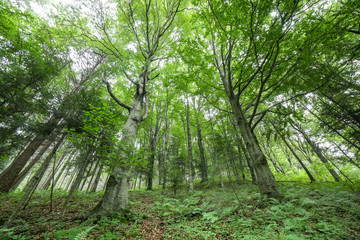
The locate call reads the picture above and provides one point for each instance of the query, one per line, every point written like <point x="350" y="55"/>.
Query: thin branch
<point x="215" y="105"/>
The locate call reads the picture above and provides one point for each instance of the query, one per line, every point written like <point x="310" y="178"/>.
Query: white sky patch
<point x="274" y="14"/>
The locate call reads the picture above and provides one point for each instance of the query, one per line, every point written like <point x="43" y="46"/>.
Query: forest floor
<point x="307" y="211"/>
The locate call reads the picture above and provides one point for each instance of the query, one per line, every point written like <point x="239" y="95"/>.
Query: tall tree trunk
<point x="47" y="182"/>
<point x="319" y="153"/>
<point x="203" y="164"/>
<point x="215" y="155"/>
<point x="153" y="133"/>
<point x="26" y="170"/>
<point x="93" y="173"/>
<point x="165" y="148"/>
<point x="189" y="143"/>
<point x="9" y="175"/>
<point x="33" y="183"/>
<point x="265" y="179"/>
<point x="97" y="179"/>
<point x="311" y="177"/>
<point x="87" y="176"/>
<point x="150" y="171"/>
<point x="116" y="191"/>
<point x="246" y="154"/>
<point x="60" y="173"/>
<point x="75" y="185"/>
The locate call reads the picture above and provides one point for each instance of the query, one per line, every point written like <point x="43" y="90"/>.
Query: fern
<point x="84" y="233"/>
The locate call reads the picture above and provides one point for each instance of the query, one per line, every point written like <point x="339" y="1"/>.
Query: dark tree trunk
<point x="78" y="179"/>
<point x="26" y="170"/>
<point x="265" y="179"/>
<point x="189" y="143"/>
<point x="311" y="177"/>
<point x="203" y="163"/>
<point x="9" y="175"/>
<point x="97" y="179"/>
<point x="33" y="183"/>
<point x="246" y="154"/>
<point x="319" y="153"/>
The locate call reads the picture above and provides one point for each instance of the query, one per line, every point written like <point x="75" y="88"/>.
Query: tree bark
<point x="312" y="179"/>
<point x="246" y="154"/>
<point x="203" y="164"/>
<point x="33" y="183"/>
<point x="265" y="179"/>
<point x="9" y="175"/>
<point x="97" y="179"/>
<point x="116" y="191"/>
<point x="189" y="143"/>
<point x="318" y="152"/>
<point x="26" y="170"/>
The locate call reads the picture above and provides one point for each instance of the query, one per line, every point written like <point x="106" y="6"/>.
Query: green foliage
<point x="309" y="211"/>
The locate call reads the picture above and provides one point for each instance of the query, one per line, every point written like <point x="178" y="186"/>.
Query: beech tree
<point x="138" y="43"/>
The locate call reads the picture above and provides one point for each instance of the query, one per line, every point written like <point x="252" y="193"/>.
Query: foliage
<point x="309" y="211"/>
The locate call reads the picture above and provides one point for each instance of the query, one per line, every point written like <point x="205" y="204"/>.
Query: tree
<point x="147" y="26"/>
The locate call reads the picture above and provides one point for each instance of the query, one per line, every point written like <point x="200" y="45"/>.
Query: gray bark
<point x="265" y="179"/>
<point x="189" y="143"/>
<point x="203" y="163"/>
<point x="246" y="154"/>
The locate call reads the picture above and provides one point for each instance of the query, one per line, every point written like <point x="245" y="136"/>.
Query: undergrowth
<point x="307" y="211"/>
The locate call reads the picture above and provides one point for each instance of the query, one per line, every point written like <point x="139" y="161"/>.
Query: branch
<point x="127" y="76"/>
<point x="112" y="94"/>
<point x="219" y="89"/>
<point x="215" y="105"/>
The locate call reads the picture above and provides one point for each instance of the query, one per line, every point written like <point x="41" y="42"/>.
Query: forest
<point x="180" y="119"/>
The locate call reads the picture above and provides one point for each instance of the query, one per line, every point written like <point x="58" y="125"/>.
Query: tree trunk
<point x="265" y="179"/>
<point x="116" y="191"/>
<point x="26" y="170"/>
<point x="165" y="150"/>
<point x="33" y="183"/>
<point x="190" y="154"/>
<point x="78" y="179"/>
<point x="8" y="177"/>
<point x="93" y="173"/>
<point x="150" y="172"/>
<point x="312" y="179"/>
<point x="47" y="183"/>
<point x="203" y="164"/>
<point x="246" y="154"/>
<point x="318" y="152"/>
<point x="97" y="179"/>
<point x="87" y="176"/>
<point x="215" y="155"/>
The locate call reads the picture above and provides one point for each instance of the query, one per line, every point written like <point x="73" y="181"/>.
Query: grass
<point x="307" y="211"/>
